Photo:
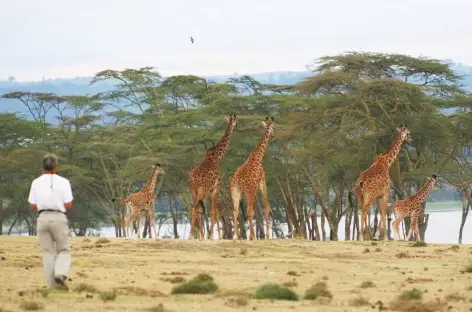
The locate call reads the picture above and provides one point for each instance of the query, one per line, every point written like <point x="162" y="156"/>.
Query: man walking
<point x="51" y="195"/>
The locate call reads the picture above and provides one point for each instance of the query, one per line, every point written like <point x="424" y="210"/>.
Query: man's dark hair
<point x="49" y="162"/>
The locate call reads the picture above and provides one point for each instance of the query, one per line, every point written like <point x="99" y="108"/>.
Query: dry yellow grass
<point x="136" y="275"/>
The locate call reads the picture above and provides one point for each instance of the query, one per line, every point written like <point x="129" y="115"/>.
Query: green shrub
<point x="275" y="292"/>
<point x="201" y="284"/>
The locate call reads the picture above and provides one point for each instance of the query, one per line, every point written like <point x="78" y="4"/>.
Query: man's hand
<point x="68" y="205"/>
<point x="34" y="207"/>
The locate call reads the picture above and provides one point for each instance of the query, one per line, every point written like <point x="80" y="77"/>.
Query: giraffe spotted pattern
<point x="412" y="207"/>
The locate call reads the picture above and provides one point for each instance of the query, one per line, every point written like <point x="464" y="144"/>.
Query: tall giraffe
<point x="374" y="183"/>
<point x="412" y="206"/>
<point x="142" y="200"/>
<point x="248" y="178"/>
<point x="205" y="180"/>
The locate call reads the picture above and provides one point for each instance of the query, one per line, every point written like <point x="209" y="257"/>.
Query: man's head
<point x="50" y="163"/>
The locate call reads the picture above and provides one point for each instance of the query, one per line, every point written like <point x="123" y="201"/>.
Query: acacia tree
<point x="364" y="95"/>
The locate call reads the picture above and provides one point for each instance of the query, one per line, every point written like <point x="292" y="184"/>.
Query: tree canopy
<point x="329" y="128"/>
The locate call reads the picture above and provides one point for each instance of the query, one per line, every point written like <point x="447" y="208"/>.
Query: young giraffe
<point x="374" y="183"/>
<point x="205" y="180"/>
<point x="248" y="178"/>
<point x="412" y="206"/>
<point x="142" y="200"/>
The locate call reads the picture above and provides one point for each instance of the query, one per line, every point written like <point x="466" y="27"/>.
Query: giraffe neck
<point x="257" y="154"/>
<point x="424" y="191"/>
<point x="392" y="152"/>
<point x="151" y="183"/>
<point x="215" y="153"/>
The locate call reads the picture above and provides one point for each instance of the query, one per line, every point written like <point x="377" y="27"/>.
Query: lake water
<point x="443" y="228"/>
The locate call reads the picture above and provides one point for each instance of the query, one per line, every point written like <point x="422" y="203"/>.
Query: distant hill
<point x="80" y="85"/>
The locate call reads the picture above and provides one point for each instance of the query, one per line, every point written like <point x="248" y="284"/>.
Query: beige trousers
<point x="53" y="234"/>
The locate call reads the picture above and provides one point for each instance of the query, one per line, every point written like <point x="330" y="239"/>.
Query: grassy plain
<point x="119" y="275"/>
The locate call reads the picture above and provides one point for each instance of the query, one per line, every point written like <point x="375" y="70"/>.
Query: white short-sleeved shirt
<point x="50" y="191"/>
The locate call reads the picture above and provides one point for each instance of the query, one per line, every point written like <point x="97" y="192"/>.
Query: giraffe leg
<point x="413" y="223"/>
<point x="417" y="229"/>
<point x="363" y="226"/>
<point x="202" y="229"/>
<point x="217" y="217"/>
<point x="214" y="213"/>
<point x="396" y="225"/>
<point x="263" y="189"/>
<point x="236" y="197"/>
<point x="138" y="223"/>
<point x="130" y="224"/>
<point x="126" y="227"/>
<point x="128" y="220"/>
<point x="383" y="201"/>
<point x="360" y="205"/>
<point x="152" y="222"/>
<point x="413" y="226"/>
<point x="367" y="202"/>
<point x="194" y="216"/>
<point x="250" y="216"/>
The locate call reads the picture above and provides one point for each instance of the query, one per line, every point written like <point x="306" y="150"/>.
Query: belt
<point x="53" y="210"/>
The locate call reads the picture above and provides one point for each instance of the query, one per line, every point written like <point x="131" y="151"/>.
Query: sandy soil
<point x="136" y="272"/>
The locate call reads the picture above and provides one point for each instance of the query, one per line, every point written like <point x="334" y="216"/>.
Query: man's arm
<point x="68" y="196"/>
<point x="32" y="197"/>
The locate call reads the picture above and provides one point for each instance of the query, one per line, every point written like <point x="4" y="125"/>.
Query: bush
<point x="413" y="294"/>
<point x="275" y="292"/>
<point x="318" y="290"/>
<point x="201" y="284"/>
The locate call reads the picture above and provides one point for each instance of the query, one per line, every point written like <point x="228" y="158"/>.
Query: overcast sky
<point x="57" y="38"/>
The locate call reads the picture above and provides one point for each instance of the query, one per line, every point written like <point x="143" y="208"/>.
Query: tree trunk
<point x="289" y="221"/>
<point x="466" y="203"/>
<point x="423" y="225"/>
<point x="242" y="220"/>
<point x="1" y="215"/>
<point x="315" y="224"/>
<point x="376" y="222"/>
<point x="259" y="219"/>
<point x="389" y="228"/>
<point x="349" y="216"/>
<point x="227" y="227"/>
<point x="173" y="214"/>
<point x="293" y="219"/>
<point x="355" y="227"/>
<point x="147" y="225"/>
<point x="12" y="225"/>
<point x="323" y="231"/>
<point x="333" y="233"/>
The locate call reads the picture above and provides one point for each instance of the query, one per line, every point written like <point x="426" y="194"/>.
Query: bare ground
<point x="140" y="273"/>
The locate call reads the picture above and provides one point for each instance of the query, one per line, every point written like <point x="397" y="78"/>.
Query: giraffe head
<point x="158" y="168"/>
<point x="269" y="126"/>
<point x="404" y="133"/>
<point x="435" y="181"/>
<point x="231" y="121"/>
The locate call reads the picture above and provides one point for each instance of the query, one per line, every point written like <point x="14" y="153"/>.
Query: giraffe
<point x="142" y="200"/>
<point x="248" y="178"/>
<point x="412" y="206"/>
<point x="205" y="180"/>
<point x="373" y="184"/>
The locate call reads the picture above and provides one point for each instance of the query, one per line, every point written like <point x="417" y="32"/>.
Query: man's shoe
<point x="61" y="281"/>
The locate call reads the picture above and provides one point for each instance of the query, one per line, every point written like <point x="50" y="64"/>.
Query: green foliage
<point x="329" y="128"/>
<point x="275" y="292"/>
<point x="413" y="294"/>
<point x="201" y="284"/>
